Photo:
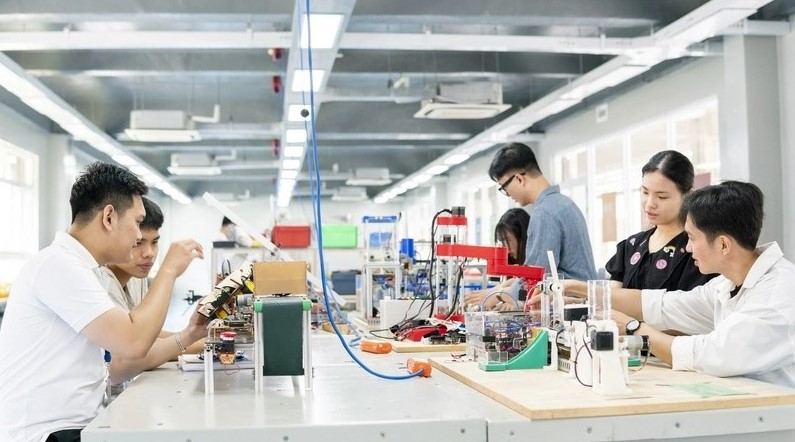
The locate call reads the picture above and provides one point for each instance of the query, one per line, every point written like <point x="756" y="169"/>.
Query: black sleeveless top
<point x="670" y="268"/>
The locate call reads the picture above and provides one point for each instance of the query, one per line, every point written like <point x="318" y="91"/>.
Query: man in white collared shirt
<point x="59" y="318"/>
<point x="740" y="323"/>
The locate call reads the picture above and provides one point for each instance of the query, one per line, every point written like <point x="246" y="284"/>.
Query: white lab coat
<point x="751" y="334"/>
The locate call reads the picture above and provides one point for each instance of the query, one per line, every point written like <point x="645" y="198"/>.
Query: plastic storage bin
<point x="291" y="236"/>
<point x="340" y="236"/>
<point x="380" y="238"/>
<point x="344" y="281"/>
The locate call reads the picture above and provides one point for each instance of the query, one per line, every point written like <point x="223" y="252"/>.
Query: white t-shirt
<point x="129" y="296"/>
<point x="52" y="377"/>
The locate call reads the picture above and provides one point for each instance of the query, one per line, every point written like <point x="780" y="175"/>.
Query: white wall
<point x="53" y="183"/>
<point x="698" y="80"/>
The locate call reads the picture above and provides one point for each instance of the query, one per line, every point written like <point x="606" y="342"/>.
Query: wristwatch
<point x="633" y="326"/>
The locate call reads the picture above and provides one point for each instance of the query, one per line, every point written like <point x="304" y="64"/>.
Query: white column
<point x="786" y="53"/>
<point x="750" y="123"/>
<point x="56" y="170"/>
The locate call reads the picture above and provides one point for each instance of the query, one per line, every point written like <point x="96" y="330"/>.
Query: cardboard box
<point x="278" y="277"/>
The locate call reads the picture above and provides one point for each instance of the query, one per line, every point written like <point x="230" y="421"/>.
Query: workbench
<point x="348" y="404"/>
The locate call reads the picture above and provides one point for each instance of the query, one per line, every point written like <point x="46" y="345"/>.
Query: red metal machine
<point x="496" y="261"/>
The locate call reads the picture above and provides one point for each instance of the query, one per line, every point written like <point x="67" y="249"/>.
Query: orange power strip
<point x="378" y="347"/>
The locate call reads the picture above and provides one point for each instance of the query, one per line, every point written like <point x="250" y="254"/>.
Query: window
<point x="20" y="220"/>
<point x="604" y="178"/>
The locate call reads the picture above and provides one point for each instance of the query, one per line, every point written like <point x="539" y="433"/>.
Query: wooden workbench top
<point x="543" y="394"/>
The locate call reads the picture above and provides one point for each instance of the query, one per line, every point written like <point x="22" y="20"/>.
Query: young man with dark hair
<point x="128" y="280"/>
<point x="127" y="288"/>
<point x="59" y="317"/>
<point x="556" y="223"/>
<point x="740" y="323"/>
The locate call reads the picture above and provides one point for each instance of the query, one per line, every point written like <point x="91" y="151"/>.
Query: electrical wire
<point x="457" y="296"/>
<point x="433" y="255"/>
<point x="315" y="185"/>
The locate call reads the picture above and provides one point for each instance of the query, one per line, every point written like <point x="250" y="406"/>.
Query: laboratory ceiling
<point x="207" y="85"/>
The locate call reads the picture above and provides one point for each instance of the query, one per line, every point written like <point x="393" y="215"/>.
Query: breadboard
<point x="543" y="394"/>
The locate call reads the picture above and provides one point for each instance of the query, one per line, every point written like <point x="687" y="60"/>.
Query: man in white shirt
<point x="740" y="323"/>
<point x="59" y="317"/>
<point x="127" y="288"/>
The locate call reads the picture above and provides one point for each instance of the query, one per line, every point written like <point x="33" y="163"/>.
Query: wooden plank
<point x="419" y="347"/>
<point x="546" y="394"/>
<point x="344" y="329"/>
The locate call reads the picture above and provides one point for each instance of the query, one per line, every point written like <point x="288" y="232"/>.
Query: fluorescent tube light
<point x="291" y="164"/>
<point x="419" y="179"/>
<point x="324" y="30"/>
<point x="458" y="158"/>
<point x="124" y="160"/>
<point x="292" y="174"/>
<point x="301" y="80"/>
<point x="295" y="136"/>
<point x="294" y="112"/>
<point x="293" y="151"/>
<point x="288" y="183"/>
<point x="437" y="169"/>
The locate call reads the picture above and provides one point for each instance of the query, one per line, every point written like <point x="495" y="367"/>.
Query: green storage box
<point x="340" y="236"/>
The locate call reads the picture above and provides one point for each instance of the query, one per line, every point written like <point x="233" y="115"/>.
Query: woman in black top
<point x="656" y="258"/>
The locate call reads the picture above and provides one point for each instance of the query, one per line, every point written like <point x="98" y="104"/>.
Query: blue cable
<point x="315" y="186"/>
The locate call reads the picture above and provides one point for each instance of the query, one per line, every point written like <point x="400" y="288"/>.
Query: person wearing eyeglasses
<point x="555" y="224"/>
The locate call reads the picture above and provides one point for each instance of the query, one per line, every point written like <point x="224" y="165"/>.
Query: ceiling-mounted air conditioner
<point x="466" y="101"/>
<point x="166" y="126"/>
<point x="350" y="194"/>
<point x="369" y="176"/>
<point x="196" y="164"/>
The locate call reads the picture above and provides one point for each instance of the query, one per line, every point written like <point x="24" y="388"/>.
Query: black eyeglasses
<point x="505" y="185"/>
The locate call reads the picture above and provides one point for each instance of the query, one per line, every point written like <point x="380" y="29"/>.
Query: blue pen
<point x="106" y="399"/>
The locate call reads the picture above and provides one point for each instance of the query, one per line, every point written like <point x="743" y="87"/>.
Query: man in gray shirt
<point x="556" y="223"/>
